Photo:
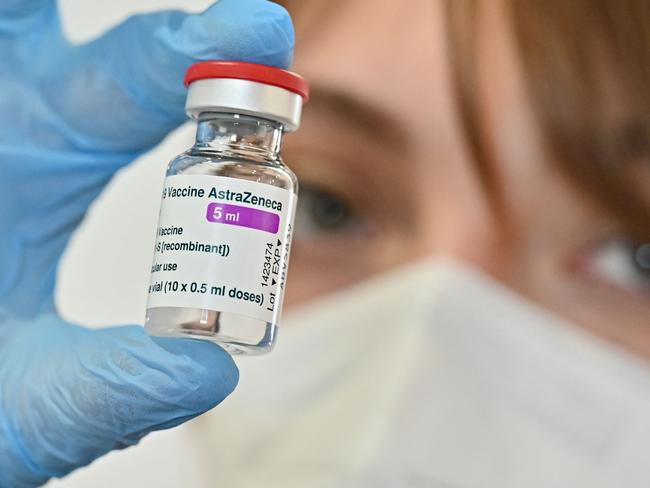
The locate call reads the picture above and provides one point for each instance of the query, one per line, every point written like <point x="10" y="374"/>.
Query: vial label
<point x="222" y="244"/>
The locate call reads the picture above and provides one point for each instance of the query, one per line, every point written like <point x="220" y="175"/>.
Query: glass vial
<point x="226" y="218"/>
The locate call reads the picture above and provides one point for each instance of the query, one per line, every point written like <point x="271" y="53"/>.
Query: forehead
<point x="380" y="52"/>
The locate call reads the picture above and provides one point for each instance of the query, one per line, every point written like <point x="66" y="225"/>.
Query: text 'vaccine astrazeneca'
<point x="228" y="203"/>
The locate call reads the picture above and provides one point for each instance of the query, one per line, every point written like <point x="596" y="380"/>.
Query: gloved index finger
<point x="131" y="79"/>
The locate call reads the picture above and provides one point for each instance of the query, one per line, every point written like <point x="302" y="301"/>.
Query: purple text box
<point x="253" y="218"/>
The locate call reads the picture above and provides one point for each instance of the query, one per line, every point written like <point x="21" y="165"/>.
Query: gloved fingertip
<point x="256" y="31"/>
<point x="220" y="373"/>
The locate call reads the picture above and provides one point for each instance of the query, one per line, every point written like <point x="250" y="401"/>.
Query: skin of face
<point x="381" y="138"/>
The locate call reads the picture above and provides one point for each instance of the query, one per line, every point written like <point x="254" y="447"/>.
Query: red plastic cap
<point x="249" y="71"/>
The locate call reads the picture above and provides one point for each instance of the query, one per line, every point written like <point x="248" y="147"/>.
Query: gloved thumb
<point x="70" y="394"/>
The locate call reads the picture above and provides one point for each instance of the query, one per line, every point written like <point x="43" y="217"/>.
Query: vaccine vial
<point x="226" y="217"/>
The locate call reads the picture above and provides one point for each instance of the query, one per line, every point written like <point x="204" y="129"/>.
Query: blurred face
<point x="386" y="175"/>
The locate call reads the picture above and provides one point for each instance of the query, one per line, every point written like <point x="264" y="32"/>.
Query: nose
<point x="456" y="217"/>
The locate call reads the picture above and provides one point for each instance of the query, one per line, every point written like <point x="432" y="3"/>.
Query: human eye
<point x="623" y="264"/>
<point x="321" y="213"/>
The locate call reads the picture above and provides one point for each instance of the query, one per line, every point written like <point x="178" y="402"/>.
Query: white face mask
<point x="433" y="375"/>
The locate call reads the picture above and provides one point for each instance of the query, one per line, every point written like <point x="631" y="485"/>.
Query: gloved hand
<point x="70" y="116"/>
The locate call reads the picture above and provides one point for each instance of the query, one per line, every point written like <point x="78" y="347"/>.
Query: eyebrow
<point x="360" y="113"/>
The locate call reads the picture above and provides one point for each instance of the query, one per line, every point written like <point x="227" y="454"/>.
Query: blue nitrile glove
<point x="70" y="116"/>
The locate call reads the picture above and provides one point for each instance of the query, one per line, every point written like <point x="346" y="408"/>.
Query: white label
<point x="222" y="244"/>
